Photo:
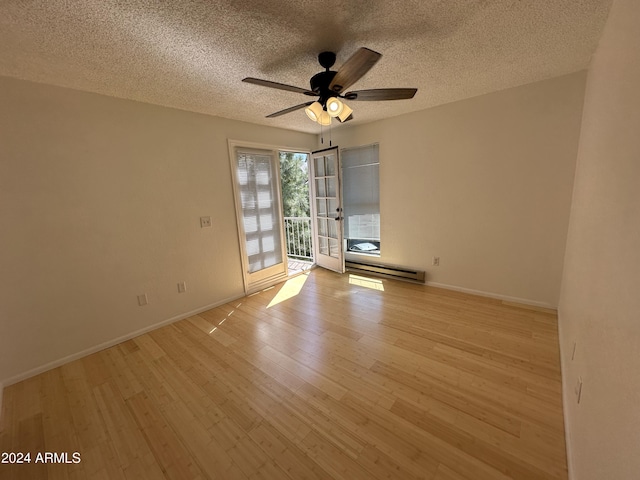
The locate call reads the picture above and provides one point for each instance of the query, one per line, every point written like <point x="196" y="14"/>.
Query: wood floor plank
<point x="172" y="457"/>
<point x="287" y="455"/>
<point x="30" y="439"/>
<point x="445" y="473"/>
<point x="305" y="373"/>
<point x="474" y="446"/>
<point x="333" y="459"/>
<point x="339" y="381"/>
<point x="431" y="450"/>
<point x="132" y="452"/>
<point x="383" y="467"/>
<point x="419" y="391"/>
<point x="345" y="377"/>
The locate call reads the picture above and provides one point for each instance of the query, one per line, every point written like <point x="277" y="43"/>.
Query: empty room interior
<point x="320" y="240"/>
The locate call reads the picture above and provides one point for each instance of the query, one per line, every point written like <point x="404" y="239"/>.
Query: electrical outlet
<point x="182" y="287"/>
<point x="579" y="389"/>
<point x="435" y="261"/>
<point x="205" y="222"/>
<point x="142" y="299"/>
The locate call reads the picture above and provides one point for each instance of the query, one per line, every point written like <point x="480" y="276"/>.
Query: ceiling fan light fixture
<point x="345" y="113"/>
<point x="324" y="119"/>
<point x="314" y="111"/>
<point x="334" y="107"/>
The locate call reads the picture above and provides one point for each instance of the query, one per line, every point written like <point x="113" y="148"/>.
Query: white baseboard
<point x="70" y="358"/>
<point x="505" y="298"/>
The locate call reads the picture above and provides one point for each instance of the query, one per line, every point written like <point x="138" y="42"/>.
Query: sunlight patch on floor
<point x="372" y="283"/>
<point x="222" y="321"/>
<point x="290" y="289"/>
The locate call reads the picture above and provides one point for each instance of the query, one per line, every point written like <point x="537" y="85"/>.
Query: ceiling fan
<point x="329" y="85"/>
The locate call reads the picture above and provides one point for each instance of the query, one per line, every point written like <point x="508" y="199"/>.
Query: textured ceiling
<point x="193" y="54"/>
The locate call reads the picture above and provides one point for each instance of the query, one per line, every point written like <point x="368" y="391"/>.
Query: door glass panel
<point x="320" y="190"/>
<point x="334" y="248"/>
<point x="333" y="230"/>
<point x="250" y="222"/>
<point x="324" y="246"/>
<point x="268" y="222"/>
<point x="322" y="227"/>
<point x="319" y="167"/>
<point x="332" y="206"/>
<point x="322" y="206"/>
<point x="331" y="187"/>
<point x="330" y="166"/>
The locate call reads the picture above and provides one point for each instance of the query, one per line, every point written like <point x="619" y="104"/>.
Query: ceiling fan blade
<point x="289" y="110"/>
<point x="382" y="94"/>
<point x="353" y="69"/>
<point x="279" y="86"/>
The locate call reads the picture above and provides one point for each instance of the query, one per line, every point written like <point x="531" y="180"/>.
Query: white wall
<point x="485" y="184"/>
<point x="600" y="302"/>
<point x="100" y="201"/>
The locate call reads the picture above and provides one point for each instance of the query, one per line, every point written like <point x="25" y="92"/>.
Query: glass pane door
<point x="327" y="215"/>
<point x="258" y="206"/>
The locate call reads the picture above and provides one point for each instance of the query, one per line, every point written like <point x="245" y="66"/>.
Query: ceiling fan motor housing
<point x="320" y="85"/>
<point x="327" y="59"/>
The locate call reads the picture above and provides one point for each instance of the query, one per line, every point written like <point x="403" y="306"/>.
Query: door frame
<point x="261" y="283"/>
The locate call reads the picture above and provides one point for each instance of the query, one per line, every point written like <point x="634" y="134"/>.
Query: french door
<point x="326" y="197"/>
<point x="256" y="176"/>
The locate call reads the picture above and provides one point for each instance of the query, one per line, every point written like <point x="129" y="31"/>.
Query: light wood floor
<point x="349" y="378"/>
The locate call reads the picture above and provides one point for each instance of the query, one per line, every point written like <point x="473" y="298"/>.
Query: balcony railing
<point x="298" y="237"/>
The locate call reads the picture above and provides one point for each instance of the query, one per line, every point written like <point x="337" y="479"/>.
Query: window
<point x="361" y="199"/>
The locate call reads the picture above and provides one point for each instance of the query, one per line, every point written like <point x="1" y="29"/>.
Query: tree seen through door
<point x="294" y="174"/>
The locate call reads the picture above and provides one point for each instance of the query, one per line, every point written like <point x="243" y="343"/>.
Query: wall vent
<point x="399" y="273"/>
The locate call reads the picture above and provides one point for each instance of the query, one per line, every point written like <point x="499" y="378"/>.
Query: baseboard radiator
<point x="399" y="273"/>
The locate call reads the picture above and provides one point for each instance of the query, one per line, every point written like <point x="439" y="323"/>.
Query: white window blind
<point x="361" y="192"/>
<point x="260" y="214"/>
